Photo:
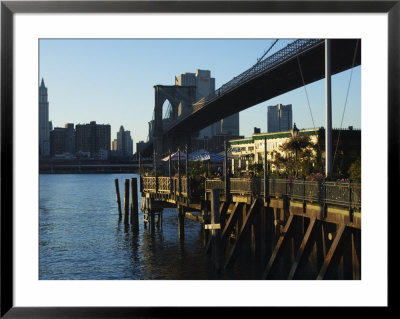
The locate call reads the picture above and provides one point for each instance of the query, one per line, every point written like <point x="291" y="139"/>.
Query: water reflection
<point x="82" y="237"/>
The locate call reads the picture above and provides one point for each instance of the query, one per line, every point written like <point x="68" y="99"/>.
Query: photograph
<point x="166" y="158"/>
<point x="237" y="159"/>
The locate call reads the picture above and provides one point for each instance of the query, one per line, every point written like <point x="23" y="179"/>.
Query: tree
<point x="355" y="171"/>
<point x="300" y="156"/>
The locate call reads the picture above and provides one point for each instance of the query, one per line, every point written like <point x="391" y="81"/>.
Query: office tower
<point x="124" y="142"/>
<point x="205" y="85"/>
<point x="57" y="141"/>
<point x="140" y="147"/>
<point x="279" y="118"/>
<point x="44" y="125"/>
<point x="92" y="137"/>
<point x="114" y="145"/>
<point x="69" y="138"/>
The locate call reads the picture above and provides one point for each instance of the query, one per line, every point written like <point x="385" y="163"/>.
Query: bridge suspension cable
<point x="305" y="89"/>
<point x="345" y="102"/>
<point x="308" y="102"/>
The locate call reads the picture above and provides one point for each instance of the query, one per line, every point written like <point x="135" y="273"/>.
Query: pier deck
<point x="295" y="229"/>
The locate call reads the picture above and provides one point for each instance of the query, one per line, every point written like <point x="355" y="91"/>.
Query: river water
<point x="81" y="237"/>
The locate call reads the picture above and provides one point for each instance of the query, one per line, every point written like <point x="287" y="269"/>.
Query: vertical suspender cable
<point x="345" y="103"/>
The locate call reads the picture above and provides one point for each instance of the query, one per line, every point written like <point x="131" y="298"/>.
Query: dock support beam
<point x="134" y="204"/>
<point x="181" y="222"/>
<point x="216" y="233"/>
<point x="126" y="201"/>
<point x="118" y="198"/>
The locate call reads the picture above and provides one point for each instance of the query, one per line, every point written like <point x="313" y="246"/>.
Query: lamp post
<point x="187" y="171"/>
<point x="169" y="171"/>
<point x="155" y="169"/>
<point x="179" y="171"/>
<point x="328" y="109"/>
<point x="266" y="184"/>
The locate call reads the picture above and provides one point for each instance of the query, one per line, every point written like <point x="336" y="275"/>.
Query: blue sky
<point x="111" y="81"/>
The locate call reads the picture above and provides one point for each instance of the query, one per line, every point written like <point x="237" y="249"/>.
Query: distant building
<point x="92" y="137"/>
<point x="69" y="138"/>
<point x="57" y="141"/>
<point x="124" y="142"/>
<point x="279" y="118"/>
<point x="140" y="147"/>
<point x="44" y="125"/>
<point x="114" y="145"/>
<point x="205" y="85"/>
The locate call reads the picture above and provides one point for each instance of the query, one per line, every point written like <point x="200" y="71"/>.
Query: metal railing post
<point x="227" y="195"/>
<point x="155" y="169"/>
<point x="266" y="184"/>
<point x="187" y="172"/>
<point x="169" y="171"/>
<point x="179" y="171"/>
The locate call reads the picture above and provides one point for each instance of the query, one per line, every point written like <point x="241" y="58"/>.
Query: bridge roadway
<point x="297" y="230"/>
<point x="282" y="77"/>
<point x="278" y="80"/>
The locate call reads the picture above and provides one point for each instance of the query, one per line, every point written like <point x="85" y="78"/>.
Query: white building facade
<point x="251" y="150"/>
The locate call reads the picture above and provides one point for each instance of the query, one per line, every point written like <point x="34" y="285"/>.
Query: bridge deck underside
<point x="274" y="82"/>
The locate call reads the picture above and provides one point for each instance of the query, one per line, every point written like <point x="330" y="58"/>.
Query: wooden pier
<point x="294" y="229"/>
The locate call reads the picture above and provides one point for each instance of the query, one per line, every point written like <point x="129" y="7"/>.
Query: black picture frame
<point x="9" y="8"/>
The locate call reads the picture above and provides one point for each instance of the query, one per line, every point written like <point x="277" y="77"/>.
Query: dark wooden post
<point x="181" y="222"/>
<point x="304" y="195"/>
<point x="134" y="203"/>
<point x="140" y="175"/>
<point x="126" y="201"/>
<point x="179" y="171"/>
<point x="206" y="217"/>
<point x="118" y="198"/>
<point x="215" y="229"/>
<point x="351" y="211"/>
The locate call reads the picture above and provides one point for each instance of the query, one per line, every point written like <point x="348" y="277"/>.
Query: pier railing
<point x="165" y="185"/>
<point x="336" y="193"/>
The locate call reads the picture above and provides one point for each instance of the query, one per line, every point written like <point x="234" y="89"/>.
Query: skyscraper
<point x="70" y="138"/>
<point x="92" y="137"/>
<point x="124" y="142"/>
<point x="44" y="125"/>
<point x="205" y="85"/>
<point x="279" y="118"/>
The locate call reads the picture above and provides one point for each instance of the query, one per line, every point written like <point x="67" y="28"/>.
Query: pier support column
<point x="134" y="204"/>
<point x="216" y="232"/>
<point x="181" y="222"/>
<point x="206" y="219"/>
<point x="255" y="235"/>
<point x="126" y="201"/>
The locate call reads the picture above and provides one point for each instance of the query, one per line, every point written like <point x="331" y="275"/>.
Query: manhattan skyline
<point x="111" y="81"/>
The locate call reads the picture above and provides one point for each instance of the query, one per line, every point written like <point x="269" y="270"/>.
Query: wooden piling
<point x="126" y="201"/>
<point x="181" y="222"/>
<point x="118" y="198"/>
<point x="134" y="203"/>
<point x="216" y="230"/>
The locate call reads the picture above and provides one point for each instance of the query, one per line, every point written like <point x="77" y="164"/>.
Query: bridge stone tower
<point x="181" y="99"/>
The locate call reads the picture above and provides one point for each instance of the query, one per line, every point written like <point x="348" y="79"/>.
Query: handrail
<point x="336" y="193"/>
